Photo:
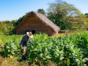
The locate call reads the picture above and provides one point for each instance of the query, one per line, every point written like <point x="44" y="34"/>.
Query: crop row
<point x="64" y="50"/>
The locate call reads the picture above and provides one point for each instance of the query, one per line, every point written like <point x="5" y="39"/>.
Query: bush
<point x="11" y="48"/>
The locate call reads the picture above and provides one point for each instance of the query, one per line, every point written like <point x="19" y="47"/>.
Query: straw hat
<point x="29" y="34"/>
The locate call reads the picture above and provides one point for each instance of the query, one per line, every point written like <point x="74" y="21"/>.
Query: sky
<point x="14" y="9"/>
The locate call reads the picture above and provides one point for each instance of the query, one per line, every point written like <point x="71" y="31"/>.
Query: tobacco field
<point x="71" y="50"/>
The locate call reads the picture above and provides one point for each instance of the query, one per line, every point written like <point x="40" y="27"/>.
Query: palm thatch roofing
<point x="42" y="18"/>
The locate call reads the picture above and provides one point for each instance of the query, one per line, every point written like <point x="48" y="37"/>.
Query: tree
<point x="86" y="15"/>
<point x="63" y="8"/>
<point x="41" y="11"/>
<point x="58" y="12"/>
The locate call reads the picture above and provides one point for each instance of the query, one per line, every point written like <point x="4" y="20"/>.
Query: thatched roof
<point x="43" y="19"/>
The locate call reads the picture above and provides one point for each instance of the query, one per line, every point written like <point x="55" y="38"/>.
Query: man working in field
<point x="25" y="40"/>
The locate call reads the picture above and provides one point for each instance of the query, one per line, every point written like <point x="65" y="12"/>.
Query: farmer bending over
<point x="25" y="40"/>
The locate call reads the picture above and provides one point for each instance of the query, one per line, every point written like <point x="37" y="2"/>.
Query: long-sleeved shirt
<point x="25" y="40"/>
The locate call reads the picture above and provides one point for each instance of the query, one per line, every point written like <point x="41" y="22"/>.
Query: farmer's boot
<point x="22" y="58"/>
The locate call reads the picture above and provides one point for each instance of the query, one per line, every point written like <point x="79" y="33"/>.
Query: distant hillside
<point x="2" y="21"/>
<point x="78" y="22"/>
<point x="6" y="27"/>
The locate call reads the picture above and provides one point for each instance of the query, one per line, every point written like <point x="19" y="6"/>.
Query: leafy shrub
<point x="60" y="50"/>
<point x="11" y="48"/>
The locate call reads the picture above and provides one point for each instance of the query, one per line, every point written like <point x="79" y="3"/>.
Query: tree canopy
<point x="41" y="11"/>
<point x="63" y="8"/>
<point x="59" y="11"/>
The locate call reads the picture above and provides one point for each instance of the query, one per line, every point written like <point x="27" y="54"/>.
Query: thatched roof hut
<point x="36" y="23"/>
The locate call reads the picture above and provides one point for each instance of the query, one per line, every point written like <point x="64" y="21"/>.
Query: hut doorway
<point x="33" y="31"/>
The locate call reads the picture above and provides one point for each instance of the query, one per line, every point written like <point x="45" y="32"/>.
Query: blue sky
<point x="14" y="9"/>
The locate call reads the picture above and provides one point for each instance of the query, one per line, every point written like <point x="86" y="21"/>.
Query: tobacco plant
<point x="63" y="50"/>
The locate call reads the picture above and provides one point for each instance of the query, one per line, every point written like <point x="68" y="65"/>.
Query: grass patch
<point x="5" y="38"/>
